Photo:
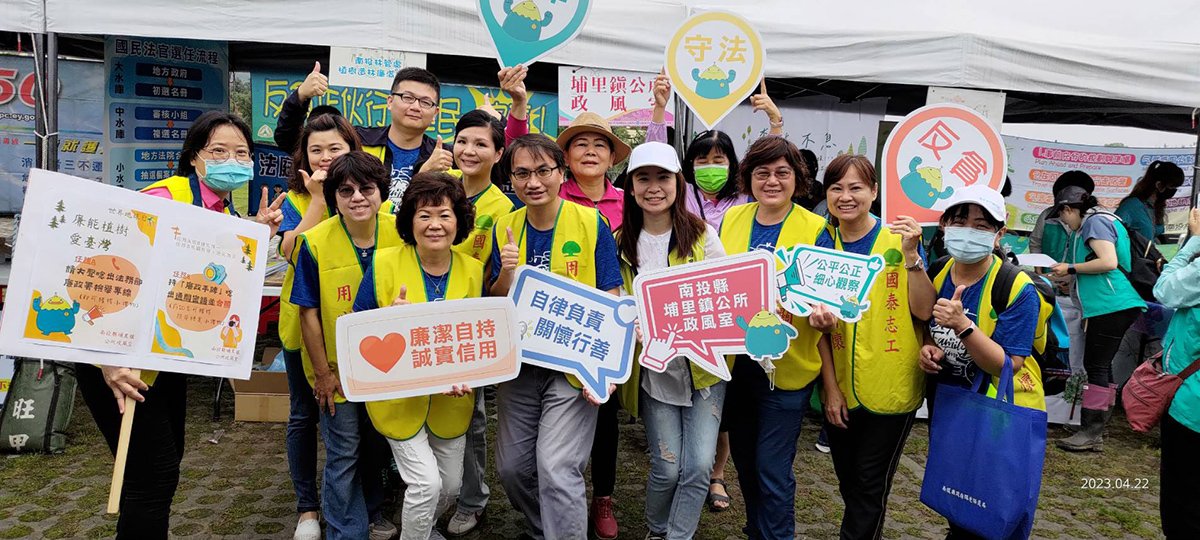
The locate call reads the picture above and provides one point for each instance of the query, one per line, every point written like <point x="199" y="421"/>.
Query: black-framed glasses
<point x="542" y="173"/>
<point x="347" y="191"/>
<point x="409" y="99"/>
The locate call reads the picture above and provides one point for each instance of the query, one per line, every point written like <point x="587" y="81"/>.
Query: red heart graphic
<point x="382" y="353"/>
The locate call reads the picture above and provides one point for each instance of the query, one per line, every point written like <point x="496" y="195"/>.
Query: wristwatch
<point x="919" y="263"/>
<point x="962" y="336"/>
<point x="1071" y="269"/>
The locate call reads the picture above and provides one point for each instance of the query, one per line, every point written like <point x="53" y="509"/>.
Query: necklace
<point x="364" y="252"/>
<point x="438" y="282"/>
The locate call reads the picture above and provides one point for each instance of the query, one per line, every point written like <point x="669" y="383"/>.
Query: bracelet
<point x="778" y="124"/>
<point x="966" y="332"/>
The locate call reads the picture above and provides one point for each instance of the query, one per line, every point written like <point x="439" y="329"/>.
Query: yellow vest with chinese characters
<point x="491" y="205"/>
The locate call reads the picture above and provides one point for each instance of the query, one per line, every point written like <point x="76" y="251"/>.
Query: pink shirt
<point x="610" y="205"/>
<point x="211" y="200"/>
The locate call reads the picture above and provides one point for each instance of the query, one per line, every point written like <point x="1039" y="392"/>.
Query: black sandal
<point x="714" y="498"/>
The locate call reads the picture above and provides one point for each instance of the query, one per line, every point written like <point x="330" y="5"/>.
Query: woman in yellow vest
<point x="680" y="406"/>
<point x="769" y="401"/>
<point x="966" y="334"/>
<point x="214" y="161"/>
<point x="427" y="434"/>
<point x="874" y="385"/>
<point x="323" y="138"/>
<point x="330" y="260"/>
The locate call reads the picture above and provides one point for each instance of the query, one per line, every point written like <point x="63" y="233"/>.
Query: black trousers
<point x="604" y="449"/>
<point x="1179" y="502"/>
<point x="155" y="448"/>
<point x="1102" y="340"/>
<point x="865" y="456"/>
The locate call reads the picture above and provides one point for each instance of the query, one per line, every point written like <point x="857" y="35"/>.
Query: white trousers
<point x="432" y="468"/>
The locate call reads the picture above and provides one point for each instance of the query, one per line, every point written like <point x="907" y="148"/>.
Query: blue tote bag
<point x="984" y="470"/>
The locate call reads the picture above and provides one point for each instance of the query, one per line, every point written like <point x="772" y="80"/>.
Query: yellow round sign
<point x="715" y="60"/>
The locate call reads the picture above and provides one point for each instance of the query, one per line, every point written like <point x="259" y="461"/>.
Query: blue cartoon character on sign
<point x="55" y="315"/>
<point x="525" y="21"/>
<point x="923" y="186"/>
<point x="850" y="308"/>
<point x="767" y="336"/>
<point x="713" y="83"/>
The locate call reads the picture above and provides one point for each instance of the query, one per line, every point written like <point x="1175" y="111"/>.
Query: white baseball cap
<point x="656" y="154"/>
<point x="987" y="198"/>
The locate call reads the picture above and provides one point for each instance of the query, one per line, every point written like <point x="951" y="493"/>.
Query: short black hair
<point x="700" y="147"/>
<point x="962" y="210"/>
<point x="416" y="74"/>
<point x="478" y="118"/>
<point x="429" y="189"/>
<point x="322" y="110"/>
<point x="537" y="144"/>
<point x="358" y="168"/>
<point x="202" y="130"/>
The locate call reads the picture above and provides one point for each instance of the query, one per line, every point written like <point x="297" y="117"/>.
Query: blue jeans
<point x="682" y="443"/>
<point x="302" y="435"/>
<point x="353" y="472"/>
<point x="763" y="445"/>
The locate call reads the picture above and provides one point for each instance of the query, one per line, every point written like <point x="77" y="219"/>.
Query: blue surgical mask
<point x="969" y="245"/>
<point x="228" y="175"/>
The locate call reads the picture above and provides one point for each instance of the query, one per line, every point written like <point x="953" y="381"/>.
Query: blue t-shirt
<point x="539" y="243"/>
<point x="1098" y="228"/>
<point x="366" y="299"/>
<point x="764" y="236"/>
<point x="306" y="284"/>
<point x="1014" y="330"/>
<point x="403" y="161"/>
<point x="291" y="217"/>
<point x="863" y="245"/>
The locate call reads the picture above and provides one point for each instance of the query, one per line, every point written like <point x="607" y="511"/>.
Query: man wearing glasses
<point x="402" y="145"/>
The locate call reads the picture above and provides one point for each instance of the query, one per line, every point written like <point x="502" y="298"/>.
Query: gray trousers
<point x="475" y="493"/>
<point x="544" y="440"/>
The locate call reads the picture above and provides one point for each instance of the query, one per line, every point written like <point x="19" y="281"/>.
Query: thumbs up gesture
<point x="270" y="216"/>
<point x="402" y="298"/>
<point x="441" y="160"/>
<point x="314" y="85"/>
<point x="949" y="312"/>
<point x="510" y="254"/>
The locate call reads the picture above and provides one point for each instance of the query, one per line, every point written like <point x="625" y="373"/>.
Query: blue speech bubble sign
<point x="574" y="328"/>
<point x="525" y="31"/>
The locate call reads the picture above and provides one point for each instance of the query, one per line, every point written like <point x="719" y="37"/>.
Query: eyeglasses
<point x="409" y="99"/>
<point x="347" y="191"/>
<point x="221" y="154"/>
<point x="542" y="173"/>
<point x="782" y="173"/>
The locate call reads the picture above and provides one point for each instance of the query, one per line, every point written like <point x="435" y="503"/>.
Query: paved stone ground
<point x="238" y="487"/>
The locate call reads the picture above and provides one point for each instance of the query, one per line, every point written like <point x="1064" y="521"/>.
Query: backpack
<point x="1052" y="352"/>
<point x="1145" y="261"/>
<point x="38" y="407"/>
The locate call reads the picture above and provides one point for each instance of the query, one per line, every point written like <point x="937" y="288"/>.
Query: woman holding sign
<point x="769" y="402"/>
<point x="215" y="160"/>
<point x="331" y="259"/>
<point x="682" y="405"/>
<point x="428" y="433"/>
<point x="874" y="384"/>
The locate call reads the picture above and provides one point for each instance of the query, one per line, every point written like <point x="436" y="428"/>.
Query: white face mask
<point x="969" y="245"/>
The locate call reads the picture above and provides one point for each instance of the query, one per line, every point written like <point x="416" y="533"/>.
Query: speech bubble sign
<point x="692" y="310"/>
<point x="524" y="32"/>
<point x="841" y="280"/>
<point x="574" y="328"/>
<point x="422" y="349"/>
<point x="715" y="59"/>
<point x="935" y="151"/>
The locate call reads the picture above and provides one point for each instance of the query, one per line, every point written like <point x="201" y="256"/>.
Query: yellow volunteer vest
<point x="445" y="417"/>
<point x="491" y="205"/>
<point x="340" y="273"/>
<point x="1027" y="383"/>
<point x="877" y="357"/>
<point x="628" y="392"/>
<point x="573" y="246"/>
<point x="185" y="190"/>
<point x="289" y="314"/>
<point x="801" y="364"/>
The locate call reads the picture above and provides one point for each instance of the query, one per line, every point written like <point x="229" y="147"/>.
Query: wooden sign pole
<point x="118" y="475"/>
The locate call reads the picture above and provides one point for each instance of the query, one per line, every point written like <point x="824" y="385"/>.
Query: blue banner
<point x="272" y="167"/>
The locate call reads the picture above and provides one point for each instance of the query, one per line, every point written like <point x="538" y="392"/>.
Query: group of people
<point x="387" y="216"/>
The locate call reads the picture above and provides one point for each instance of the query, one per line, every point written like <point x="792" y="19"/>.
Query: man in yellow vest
<point x="402" y="145"/>
<point x="546" y="423"/>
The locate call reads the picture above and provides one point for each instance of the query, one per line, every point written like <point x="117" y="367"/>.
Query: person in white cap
<point x="960" y="342"/>
<point x="681" y="406"/>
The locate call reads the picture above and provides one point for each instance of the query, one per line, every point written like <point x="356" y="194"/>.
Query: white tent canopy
<point x="1145" y="52"/>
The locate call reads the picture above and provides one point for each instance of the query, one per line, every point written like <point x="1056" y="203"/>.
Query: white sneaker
<point x="309" y="529"/>
<point x="382" y="529"/>
<point x="822" y="448"/>
<point x="462" y="523"/>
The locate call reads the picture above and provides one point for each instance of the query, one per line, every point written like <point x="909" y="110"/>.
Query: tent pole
<point x="51" y="96"/>
<point x="1195" y="161"/>
<point x="39" y="117"/>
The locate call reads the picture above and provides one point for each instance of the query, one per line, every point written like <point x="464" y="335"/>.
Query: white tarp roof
<point x="1146" y="51"/>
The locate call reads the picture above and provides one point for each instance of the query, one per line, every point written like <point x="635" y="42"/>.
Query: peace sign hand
<point x="271" y="216"/>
